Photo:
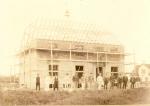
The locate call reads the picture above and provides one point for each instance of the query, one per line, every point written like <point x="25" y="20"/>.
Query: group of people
<point x="88" y="82"/>
<point x="121" y="82"/>
<point x="84" y="82"/>
<point x="55" y="84"/>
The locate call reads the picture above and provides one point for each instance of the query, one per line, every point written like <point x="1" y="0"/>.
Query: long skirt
<point x="99" y="86"/>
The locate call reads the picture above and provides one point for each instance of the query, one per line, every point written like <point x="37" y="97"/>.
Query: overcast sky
<point x="129" y="20"/>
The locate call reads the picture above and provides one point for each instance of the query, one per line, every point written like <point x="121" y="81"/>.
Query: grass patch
<point x="113" y="97"/>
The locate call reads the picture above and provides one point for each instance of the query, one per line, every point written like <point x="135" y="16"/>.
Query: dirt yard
<point x="116" y="96"/>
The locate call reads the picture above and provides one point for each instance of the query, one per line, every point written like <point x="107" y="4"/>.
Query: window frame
<point x="54" y="71"/>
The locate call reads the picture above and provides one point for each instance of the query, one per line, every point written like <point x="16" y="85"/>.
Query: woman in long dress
<point x="100" y="81"/>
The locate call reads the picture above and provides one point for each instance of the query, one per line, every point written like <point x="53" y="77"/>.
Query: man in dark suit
<point x="106" y="80"/>
<point x="112" y="81"/>
<point x="125" y="81"/>
<point x="120" y="81"/>
<point x="38" y="82"/>
<point x="132" y="81"/>
<point x="56" y="83"/>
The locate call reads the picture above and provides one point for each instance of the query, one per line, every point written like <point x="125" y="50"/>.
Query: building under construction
<point x="62" y="48"/>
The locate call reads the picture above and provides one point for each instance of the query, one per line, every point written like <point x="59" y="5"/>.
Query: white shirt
<point x="100" y="80"/>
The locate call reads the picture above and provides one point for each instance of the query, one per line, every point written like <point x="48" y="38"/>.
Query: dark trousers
<point x="116" y="84"/>
<point x="38" y="86"/>
<point x="120" y="85"/>
<point x="111" y="85"/>
<point x="105" y="86"/>
<point x="124" y="85"/>
<point x="79" y="85"/>
<point x="132" y="85"/>
<point x="55" y="88"/>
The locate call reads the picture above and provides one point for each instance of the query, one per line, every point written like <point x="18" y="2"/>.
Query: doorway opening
<point x="99" y="70"/>
<point x="114" y="71"/>
<point x="79" y="71"/>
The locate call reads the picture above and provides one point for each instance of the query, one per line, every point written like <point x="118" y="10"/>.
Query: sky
<point x="129" y="20"/>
